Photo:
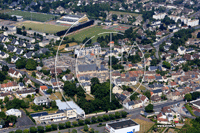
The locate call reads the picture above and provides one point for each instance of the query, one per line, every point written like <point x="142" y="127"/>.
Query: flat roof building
<point x="123" y="126"/>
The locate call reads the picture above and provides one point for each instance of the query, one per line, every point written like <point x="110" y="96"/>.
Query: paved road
<point x="157" y="44"/>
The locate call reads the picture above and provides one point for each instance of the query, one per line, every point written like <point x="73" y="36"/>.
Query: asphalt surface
<point x="157" y="44"/>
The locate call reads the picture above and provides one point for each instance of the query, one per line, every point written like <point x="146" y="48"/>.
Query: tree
<point x="40" y="129"/>
<point x="117" y="115"/>
<point x="20" y="63"/>
<point x="134" y="96"/>
<point x="94" y="119"/>
<point x="23" y="27"/>
<point x="33" y="130"/>
<point x="54" y="126"/>
<point x="75" y="123"/>
<point x="111" y="116"/>
<point x="81" y="122"/>
<point x="91" y="130"/>
<point x="2" y="115"/>
<point x="123" y="114"/>
<point x="188" y="97"/>
<point x="74" y="131"/>
<point x="31" y="64"/>
<point x="6" y="99"/>
<point x="114" y="17"/>
<point x="53" y="104"/>
<point x="85" y="128"/>
<point x="68" y="124"/>
<point x="33" y="74"/>
<point x="12" y="118"/>
<point x="18" y="131"/>
<point x="87" y="121"/>
<point x="99" y="118"/>
<point x="147" y="94"/>
<point x="49" y="91"/>
<point x="5" y="68"/>
<point x="26" y="131"/>
<point x="166" y="64"/>
<point x="2" y="76"/>
<point x="198" y="35"/>
<point x="149" y="108"/>
<point x="105" y="117"/>
<point x="48" y="128"/>
<point x="67" y="45"/>
<point x="61" y="125"/>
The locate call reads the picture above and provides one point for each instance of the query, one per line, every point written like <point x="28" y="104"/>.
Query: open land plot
<point x="144" y="125"/>
<point x="41" y="27"/>
<point x="42" y="17"/>
<point x="124" y="13"/>
<point x="80" y="35"/>
<point x="61" y="48"/>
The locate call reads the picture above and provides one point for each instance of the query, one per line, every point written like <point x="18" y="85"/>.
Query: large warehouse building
<point x="71" y="19"/>
<point x="123" y="126"/>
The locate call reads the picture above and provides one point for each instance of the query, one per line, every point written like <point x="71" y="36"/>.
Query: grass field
<point x="123" y="13"/>
<point x="144" y="125"/>
<point x="58" y="94"/>
<point x="89" y="32"/>
<point x="35" y="16"/>
<point x="41" y="27"/>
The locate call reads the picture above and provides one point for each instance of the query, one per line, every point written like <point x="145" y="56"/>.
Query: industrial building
<point x="123" y="126"/>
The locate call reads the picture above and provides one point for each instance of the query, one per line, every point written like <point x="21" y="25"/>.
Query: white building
<point x="123" y="126"/>
<point x="181" y="50"/>
<point x="82" y="52"/>
<point x="159" y="16"/>
<point x="14" y="112"/>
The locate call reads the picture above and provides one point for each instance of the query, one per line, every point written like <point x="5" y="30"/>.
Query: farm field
<point x="88" y="32"/>
<point x="41" y="27"/>
<point x="35" y="16"/>
<point x="123" y="13"/>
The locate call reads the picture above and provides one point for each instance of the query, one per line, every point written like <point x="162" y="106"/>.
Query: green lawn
<point x="89" y="32"/>
<point x="123" y="13"/>
<point x="189" y="108"/>
<point x="41" y="27"/>
<point x="35" y="16"/>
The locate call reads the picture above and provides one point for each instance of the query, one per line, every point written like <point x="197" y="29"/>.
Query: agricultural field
<point x="41" y="27"/>
<point x="124" y="13"/>
<point x="80" y="35"/>
<point x="42" y="17"/>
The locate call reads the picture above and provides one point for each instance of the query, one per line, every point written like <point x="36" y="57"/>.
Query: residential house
<point x="42" y="100"/>
<point x="25" y="93"/>
<point x="14" y="73"/>
<point x="68" y="77"/>
<point x="10" y="86"/>
<point x="14" y="59"/>
<point x="181" y="50"/>
<point x="14" y="112"/>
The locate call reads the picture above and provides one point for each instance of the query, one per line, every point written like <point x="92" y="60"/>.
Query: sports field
<point x="124" y="13"/>
<point x="35" y="16"/>
<point x="80" y="35"/>
<point x="41" y="27"/>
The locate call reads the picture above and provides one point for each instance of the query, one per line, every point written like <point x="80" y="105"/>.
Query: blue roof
<point x="39" y="114"/>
